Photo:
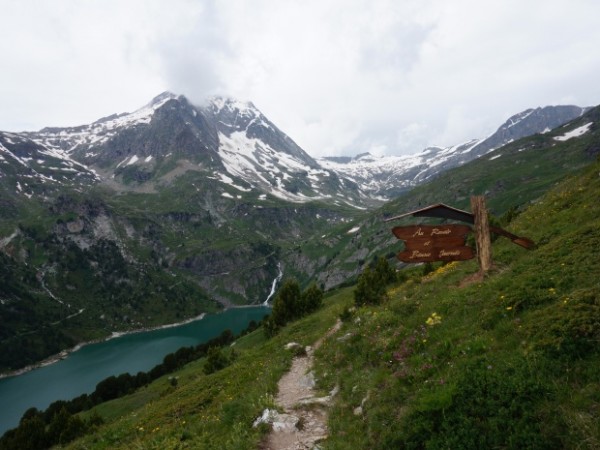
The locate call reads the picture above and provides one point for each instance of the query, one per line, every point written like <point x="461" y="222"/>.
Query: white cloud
<point x="339" y="76"/>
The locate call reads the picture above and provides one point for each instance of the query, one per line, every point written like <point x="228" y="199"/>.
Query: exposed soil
<point x="303" y="423"/>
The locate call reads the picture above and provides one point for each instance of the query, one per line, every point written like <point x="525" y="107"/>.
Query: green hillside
<point x="79" y="264"/>
<point x="507" y="362"/>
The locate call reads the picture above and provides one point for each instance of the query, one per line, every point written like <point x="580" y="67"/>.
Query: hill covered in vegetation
<point x="510" y="361"/>
<point x="507" y="362"/>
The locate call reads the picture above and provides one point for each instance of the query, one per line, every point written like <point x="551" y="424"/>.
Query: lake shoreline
<point x="115" y="334"/>
<point x="128" y="351"/>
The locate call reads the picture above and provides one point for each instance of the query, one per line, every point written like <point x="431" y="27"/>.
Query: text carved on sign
<point x="428" y="243"/>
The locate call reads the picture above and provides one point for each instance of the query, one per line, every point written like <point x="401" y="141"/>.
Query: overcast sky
<point x="338" y="76"/>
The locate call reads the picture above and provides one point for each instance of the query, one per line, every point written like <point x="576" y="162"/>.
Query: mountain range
<point x="151" y="217"/>
<point x="389" y="176"/>
<point x="233" y="143"/>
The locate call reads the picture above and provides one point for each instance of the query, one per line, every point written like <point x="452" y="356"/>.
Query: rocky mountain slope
<point x="233" y="143"/>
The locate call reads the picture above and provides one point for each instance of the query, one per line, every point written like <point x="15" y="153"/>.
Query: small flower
<point x="508" y="308"/>
<point x="434" y="319"/>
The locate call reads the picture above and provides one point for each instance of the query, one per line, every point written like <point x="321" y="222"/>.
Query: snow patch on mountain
<point x="133" y="160"/>
<point x="353" y="230"/>
<point x="577" y="132"/>
<point x="227" y="180"/>
<point x="36" y="162"/>
<point x="257" y="163"/>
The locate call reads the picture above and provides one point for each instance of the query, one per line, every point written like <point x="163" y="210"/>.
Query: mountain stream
<point x="274" y="285"/>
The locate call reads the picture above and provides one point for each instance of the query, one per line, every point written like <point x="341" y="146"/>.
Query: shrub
<point x="347" y="313"/>
<point x="370" y="289"/>
<point x="287" y="304"/>
<point x="216" y="360"/>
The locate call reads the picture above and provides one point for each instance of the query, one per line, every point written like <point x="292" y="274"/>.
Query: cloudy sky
<point x="338" y="76"/>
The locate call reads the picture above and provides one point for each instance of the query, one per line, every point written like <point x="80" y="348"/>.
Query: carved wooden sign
<point x="430" y="231"/>
<point x="428" y="243"/>
<point x="437" y="254"/>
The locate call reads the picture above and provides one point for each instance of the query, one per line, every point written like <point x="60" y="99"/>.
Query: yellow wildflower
<point x="434" y="319"/>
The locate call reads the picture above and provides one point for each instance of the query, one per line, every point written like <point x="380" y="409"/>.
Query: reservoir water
<point x="82" y="370"/>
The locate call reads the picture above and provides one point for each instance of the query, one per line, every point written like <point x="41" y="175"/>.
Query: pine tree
<point x="312" y="299"/>
<point x="287" y="305"/>
<point x="370" y="289"/>
<point x="215" y="360"/>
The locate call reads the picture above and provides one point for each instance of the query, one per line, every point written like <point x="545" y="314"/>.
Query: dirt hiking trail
<point x="303" y="423"/>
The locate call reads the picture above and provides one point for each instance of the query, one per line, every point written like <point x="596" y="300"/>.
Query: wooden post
<point x="482" y="233"/>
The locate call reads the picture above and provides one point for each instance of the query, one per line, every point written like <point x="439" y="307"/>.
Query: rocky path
<point x="303" y="423"/>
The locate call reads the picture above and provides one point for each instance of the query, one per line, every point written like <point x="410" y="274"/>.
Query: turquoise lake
<point x="82" y="370"/>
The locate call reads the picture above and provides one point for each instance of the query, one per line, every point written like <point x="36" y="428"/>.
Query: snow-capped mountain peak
<point x="233" y="115"/>
<point x="72" y="139"/>
<point x="161" y="99"/>
<point x="236" y="146"/>
<point x="218" y="104"/>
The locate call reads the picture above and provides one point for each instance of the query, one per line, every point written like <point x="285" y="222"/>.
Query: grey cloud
<point x="339" y="76"/>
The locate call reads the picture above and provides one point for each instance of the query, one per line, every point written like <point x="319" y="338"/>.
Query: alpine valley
<point x="153" y="217"/>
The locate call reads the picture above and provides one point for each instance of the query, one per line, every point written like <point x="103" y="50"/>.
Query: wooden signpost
<point x="428" y="243"/>
<point x="482" y="233"/>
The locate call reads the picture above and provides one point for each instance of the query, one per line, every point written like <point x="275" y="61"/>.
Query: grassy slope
<point x="512" y="362"/>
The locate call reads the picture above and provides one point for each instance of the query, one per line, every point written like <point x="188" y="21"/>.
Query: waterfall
<point x="274" y="285"/>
